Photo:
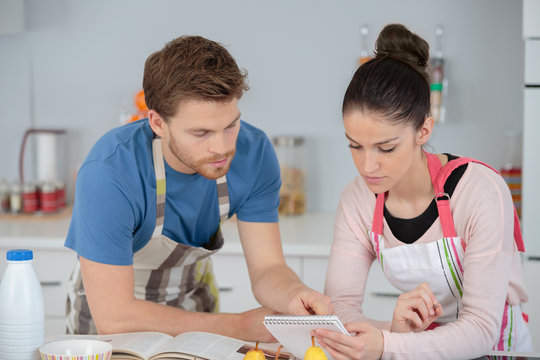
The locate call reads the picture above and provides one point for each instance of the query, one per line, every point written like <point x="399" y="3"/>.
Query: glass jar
<point x="15" y="198"/>
<point x="4" y="196"/>
<point x="291" y="155"/>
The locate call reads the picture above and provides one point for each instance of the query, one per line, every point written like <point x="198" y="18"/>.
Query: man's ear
<point x="156" y="122"/>
<point x="425" y="131"/>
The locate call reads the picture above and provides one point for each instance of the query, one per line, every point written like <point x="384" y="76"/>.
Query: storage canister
<point x="290" y="151"/>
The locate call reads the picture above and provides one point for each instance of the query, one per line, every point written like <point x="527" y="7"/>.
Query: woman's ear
<point x="156" y="122"/>
<point x="425" y="131"/>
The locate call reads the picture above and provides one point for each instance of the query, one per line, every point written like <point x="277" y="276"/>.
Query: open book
<point x="186" y="346"/>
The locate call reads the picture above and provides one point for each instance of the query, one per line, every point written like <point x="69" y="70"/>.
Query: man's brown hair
<point x="191" y="68"/>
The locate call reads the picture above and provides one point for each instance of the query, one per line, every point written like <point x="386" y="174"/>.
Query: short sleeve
<point x="103" y="220"/>
<point x="262" y="202"/>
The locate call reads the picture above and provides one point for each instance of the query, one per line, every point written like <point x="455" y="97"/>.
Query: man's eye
<point x="200" y="134"/>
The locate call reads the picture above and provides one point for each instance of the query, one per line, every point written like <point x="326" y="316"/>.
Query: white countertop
<point x="307" y="234"/>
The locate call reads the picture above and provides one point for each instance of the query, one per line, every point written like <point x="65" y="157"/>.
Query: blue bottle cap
<point x="19" y="255"/>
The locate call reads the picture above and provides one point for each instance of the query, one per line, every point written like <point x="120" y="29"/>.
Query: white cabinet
<point x="306" y="245"/>
<point x="531" y="18"/>
<point x="233" y="281"/>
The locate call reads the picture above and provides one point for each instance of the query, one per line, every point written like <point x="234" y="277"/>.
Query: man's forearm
<point x="276" y="286"/>
<point x="141" y="315"/>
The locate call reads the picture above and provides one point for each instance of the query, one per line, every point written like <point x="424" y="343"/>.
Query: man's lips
<point x="219" y="163"/>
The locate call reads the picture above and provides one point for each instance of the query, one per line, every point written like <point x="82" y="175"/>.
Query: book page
<point x="142" y="344"/>
<point x="210" y="346"/>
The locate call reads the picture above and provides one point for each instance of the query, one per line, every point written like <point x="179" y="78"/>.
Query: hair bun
<point x="398" y="42"/>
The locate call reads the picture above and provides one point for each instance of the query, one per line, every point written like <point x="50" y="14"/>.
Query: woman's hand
<point x="366" y="342"/>
<point x="416" y="310"/>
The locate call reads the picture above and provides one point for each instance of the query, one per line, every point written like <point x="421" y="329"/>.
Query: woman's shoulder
<point x="357" y="196"/>
<point x="480" y="181"/>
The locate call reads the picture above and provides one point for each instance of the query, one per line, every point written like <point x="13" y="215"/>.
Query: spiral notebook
<point x="294" y="332"/>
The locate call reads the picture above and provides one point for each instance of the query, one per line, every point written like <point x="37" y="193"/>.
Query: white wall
<point x="79" y="62"/>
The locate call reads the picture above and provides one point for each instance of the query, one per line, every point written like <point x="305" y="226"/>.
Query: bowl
<point x="76" y="350"/>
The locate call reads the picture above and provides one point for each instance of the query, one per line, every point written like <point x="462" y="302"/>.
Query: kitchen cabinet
<point x="306" y="243"/>
<point x="531" y="24"/>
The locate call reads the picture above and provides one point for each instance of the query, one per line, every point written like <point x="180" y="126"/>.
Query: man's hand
<point x="416" y="310"/>
<point x="305" y="301"/>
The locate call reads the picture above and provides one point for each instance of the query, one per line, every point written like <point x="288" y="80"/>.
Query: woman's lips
<point x="373" y="179"/>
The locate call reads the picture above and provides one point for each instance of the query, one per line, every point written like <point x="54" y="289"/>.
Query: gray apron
<point x="165" y="272"/>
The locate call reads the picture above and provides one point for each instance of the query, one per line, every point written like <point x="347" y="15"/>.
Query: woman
<point x="442" y="227"/>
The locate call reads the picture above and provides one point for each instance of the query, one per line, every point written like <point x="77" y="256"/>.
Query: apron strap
<point x="159" y="169"/>
<point x="378" y="215"/>
<point x="442" y="199"/>
<point x="439" y="183"/>
<point x="223" y="198"/>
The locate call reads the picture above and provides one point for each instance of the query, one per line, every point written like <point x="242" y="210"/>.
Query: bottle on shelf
<point x="438" y="81"/>
<point x="22" y="315"/>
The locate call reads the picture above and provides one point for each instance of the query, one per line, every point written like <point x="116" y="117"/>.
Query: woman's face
<point x="382" y="152"/>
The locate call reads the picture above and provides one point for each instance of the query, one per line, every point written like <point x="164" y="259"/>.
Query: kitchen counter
<point x="34" y="231"/>
<point x="307" y="234"/>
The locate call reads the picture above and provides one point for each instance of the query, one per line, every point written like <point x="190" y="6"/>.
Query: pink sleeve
<point x="351" y="256"/>
<point x="483" y="214"/>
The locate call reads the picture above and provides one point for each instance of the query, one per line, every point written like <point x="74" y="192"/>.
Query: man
<point x="150" y="197"/>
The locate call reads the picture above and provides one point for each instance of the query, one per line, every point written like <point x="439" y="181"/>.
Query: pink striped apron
<point x="440" y="263"/>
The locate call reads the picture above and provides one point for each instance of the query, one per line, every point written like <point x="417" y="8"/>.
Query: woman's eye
<point x="388" y="150"/>
<point x="356" y="147"/>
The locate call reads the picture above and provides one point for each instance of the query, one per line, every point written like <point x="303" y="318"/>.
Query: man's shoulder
<point x="121" y="141"/>
<point x="251" y="134"/>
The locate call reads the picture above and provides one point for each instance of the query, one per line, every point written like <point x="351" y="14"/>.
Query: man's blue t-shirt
<point x="114" y="213"/>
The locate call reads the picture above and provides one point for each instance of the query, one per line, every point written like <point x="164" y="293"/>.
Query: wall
<point x="78" y="63"/>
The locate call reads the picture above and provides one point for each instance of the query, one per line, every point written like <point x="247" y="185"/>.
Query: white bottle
<point x="22" y="316"/>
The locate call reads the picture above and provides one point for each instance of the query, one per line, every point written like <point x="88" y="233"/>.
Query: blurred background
<point x="76" y="65"/>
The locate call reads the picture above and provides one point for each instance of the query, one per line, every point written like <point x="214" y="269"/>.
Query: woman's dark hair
<point x="395" y="84"/>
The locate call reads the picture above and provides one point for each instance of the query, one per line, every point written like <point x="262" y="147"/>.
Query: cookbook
<point x="187" y="346"/>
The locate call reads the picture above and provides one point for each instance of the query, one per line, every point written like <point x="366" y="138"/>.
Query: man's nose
<point x="218" y="145"/>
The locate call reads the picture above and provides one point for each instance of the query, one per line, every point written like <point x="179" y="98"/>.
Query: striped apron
<point x="165" y="271"/>
<point x="439" y="263"/>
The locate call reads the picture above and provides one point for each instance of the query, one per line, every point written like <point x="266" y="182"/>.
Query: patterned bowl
<point x="76" y="350"/>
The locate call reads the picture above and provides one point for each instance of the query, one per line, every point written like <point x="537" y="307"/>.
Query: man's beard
<point x="201" y="166"/>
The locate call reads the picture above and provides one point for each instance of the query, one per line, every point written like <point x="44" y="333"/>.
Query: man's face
<point x="201" y="137"/>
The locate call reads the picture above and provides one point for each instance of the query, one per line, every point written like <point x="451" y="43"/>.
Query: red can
<point x="30" y="199"/>
<point x="47" y="198"/>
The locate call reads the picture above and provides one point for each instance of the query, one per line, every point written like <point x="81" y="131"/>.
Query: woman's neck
<point x="413" y="194"/>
